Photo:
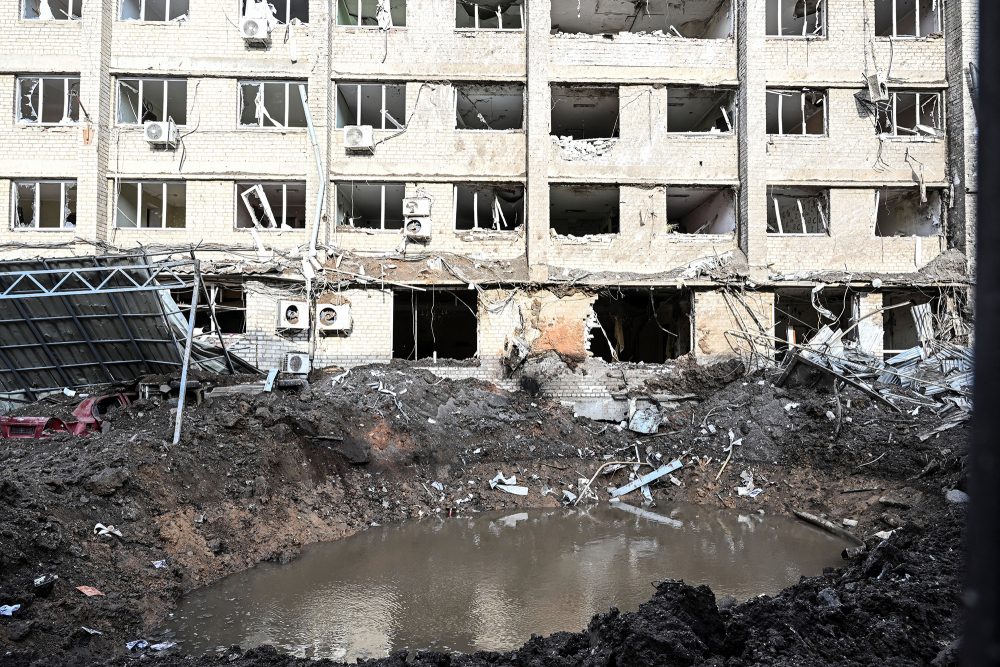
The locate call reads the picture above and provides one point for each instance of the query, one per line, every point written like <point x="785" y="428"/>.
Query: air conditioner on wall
<point x="255" y="28"/>
<point x="293" y="315"/>
<point x="359" y="137"/>
<point x="878" y="88"/>
<point x="417" y="228"/>
<point x="331" y="318"/>
<point x="160" y="133"/>
<point x="296" y="362"/>
<point x="416" y="207"/>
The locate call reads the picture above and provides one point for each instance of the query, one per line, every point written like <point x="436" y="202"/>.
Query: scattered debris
<point x="647" y="478"/>
<point x="508" y="484"/>
<point x="9" y="609"/>
<point x="828" y="526"/>
<point x="90" y="631"/>
<point x="646" y="421"/>
<point x="89" y="591"/>
<point x="100" y="529"/>
<point x="438" y="485"/>
<point x="957" y="496"/>
<point x="160" y="564"/>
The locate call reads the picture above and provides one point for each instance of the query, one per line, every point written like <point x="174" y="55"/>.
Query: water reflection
<point x="490" y="581"/>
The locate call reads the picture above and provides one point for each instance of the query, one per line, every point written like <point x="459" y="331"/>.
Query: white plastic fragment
<point x="100" y="529"/>
<point x="9" y="609"/>
<point x="646" y="479"/>
<point x="160" y="564"/>
<point x="438" y="485"/>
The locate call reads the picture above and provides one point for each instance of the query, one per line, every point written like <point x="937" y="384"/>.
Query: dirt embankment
<point x="256" y="477"/>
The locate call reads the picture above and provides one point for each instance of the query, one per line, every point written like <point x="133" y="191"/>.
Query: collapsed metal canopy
<point x="79" y="321"/>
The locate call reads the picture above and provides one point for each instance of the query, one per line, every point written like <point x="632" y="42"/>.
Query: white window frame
<point x="893" y="106"/>
<point x="820" y="9"/>
<point x="67" y="105"/>
<point x="476" y="227"/>
<point x="381" y="186"/>
<point x="383" y="111"/>
<point x="142" y="84"/>
<point x="290" y="94"/>
<point x="240" y="4"/>
<point x="72" y="5"/>
<point x="359" y="24"/>
<point x="36" y="205"/>
<point x="142" y="13"/>
<point x="475" y="14"/>
<point x="916" y="17"/>
<point x="781" y="93"/>
<point x="138" y="203"/>
<point x="276" y="223"/>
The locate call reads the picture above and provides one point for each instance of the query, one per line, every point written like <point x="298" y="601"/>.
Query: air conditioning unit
<point x="878" y="88"/>
<point x="417" y="228"/>
<point x="296" y="362"/>
<point x="330" y="318"/>
<point x="359" y="137"/>
<point x="293" y="315"/>
<point x="161" y="133"/>
<point x="416" y="207"/>
<point x="255" y="28"/>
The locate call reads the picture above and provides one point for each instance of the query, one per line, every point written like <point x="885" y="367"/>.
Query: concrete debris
<point x="957" y="497"/>
<point x="584" y="149"/>
<point x="645" y="421"/>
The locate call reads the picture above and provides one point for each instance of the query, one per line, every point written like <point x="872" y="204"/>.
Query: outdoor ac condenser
<point x="296" y="362"/>
<point x="359" y="137"/>
<point x="333" y="319"/>
<point x="293" y="315"/>
<point x="160" y="133"/>
<point x="417" y="228"/>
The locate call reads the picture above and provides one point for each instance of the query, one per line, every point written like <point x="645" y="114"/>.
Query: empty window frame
<point x="791" y="112"/>
<point x="224" y="305"/>
<point x="641" y="325"/>
<point x="285" y="11"/>
<point x="692" y="19"/>
<point x="899" y="325"/>
<point x="797" y="318"/>
<point x="151" y="205"/>
<point x="435" y="324"/>
<point x="48" y="100"/>
<point x="489" y="106"/>
<point x="370" y="205"/>
<point x="381" y="105"/>
<point x="700" y="210"/>
<point x="907" y="18"/>
<point x="582" y="210"/>
<point x="51" y="10"/>
<point x="585" y="112"/>
<point x="271" y="205"/>
<point x="154" y="10"/>
<point x="497" y="207"/>
<point x="146" y="99"/>
<point x="271" y="104"/>
<point x="910" y="113"/>
<point x="796" y="18"/>
<point x="701" y="109"/>
<point x="797" y="211"/>
<point x="44" y="205"/>
<point x="383" y="14"/>
<point x="900" y="212"/>
<point x="502" y="15"/>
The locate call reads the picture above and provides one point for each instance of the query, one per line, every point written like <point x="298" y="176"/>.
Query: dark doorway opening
<point x="638" y="325"/>
<point x="435" y="324"/>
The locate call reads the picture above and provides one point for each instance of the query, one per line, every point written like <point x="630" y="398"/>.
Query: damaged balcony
<point x="694" y="39"/>
<point x="647" y="325"/>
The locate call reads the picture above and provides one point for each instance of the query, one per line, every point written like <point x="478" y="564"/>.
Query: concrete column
<point x="96" y="94"/>
<point x="752" y="126"/>
<point x="537" y="115"/>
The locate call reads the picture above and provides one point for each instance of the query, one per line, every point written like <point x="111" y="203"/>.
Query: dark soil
<point x="256" y="477"/>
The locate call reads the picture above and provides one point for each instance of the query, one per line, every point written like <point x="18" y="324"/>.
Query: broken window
<point x="796" y="112"/>
<point x="489" y="106"/>
<point x="285" y="11"/>
<point x="223" y="305"/>
<point x="902" y="213"/>
<point x="52" y="10"/>
<point x="44" y="205"/>
<point x="584" y="112"/>
<point x="581" y="210"/>
<point x="151" y="205"/>
<point x="502" y="15"/>
<point x="381" y="105"/>
<point x="701" y="210"/>
<point x="271" y="205"/>
<point x="382" y="14"/>
<point x="701" y="110"/>
<point x="641" y="325"/>
<point x="154" y="10"/>
<point x="797" y="211"/>
<point x="143" y="100"/>
<point x="435" y="324"/>
<point x="271" y="104"/>
<point x="899" y="326"/>
<point x="489" y="206"/>
<point x="48" y="100"/>
<point x="693" y="19"/>
<point x="796" y="18"/>
<point x="910" y="113"/>
<point x="800" y="313"/>
<point x="907" y="18"/>
<point x="370" y="205"/>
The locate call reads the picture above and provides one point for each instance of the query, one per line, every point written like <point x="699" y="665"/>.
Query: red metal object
<point x="86" y="419"/>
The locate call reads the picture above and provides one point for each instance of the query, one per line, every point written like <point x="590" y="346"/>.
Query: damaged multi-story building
<point x="466" y="184"/>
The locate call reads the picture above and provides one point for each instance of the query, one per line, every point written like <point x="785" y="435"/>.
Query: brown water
<point x="490" y="581"/>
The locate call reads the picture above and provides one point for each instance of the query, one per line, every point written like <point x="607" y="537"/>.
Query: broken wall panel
<point x="798" y="210"/>
<point x="48" y="100"/>
<point x="44" y="205"/>
<point x="52" y="10"/>
<point x="379" y="14"/>
<point x="142" y="100"/>
<point x="699" y="109"/>
<point x="154" y="10"/>
<point x="489" y="106"/>
<point x="381" y="105"/>
<point x="584" y="112"/>
<point x="797" y="318"/>
<point x="701" y="210"/>
<point x="796" y="18"/>
<point x="435" y="324"/>
<point x="271" y="104"/>
<point x="491" y="206"/>
<point x="271" y="205"/>
<point x="377" y="206"/>
<point x="503" y="15"/>
<point x="641" y="325"/>
<point x="792" y="112"/>
<point x="691" y="19"/>
<point x="902" y="213"/>
<point x="908" y="18"/>
<point x="583" y="210"/>
<point x="151" y="205"/>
